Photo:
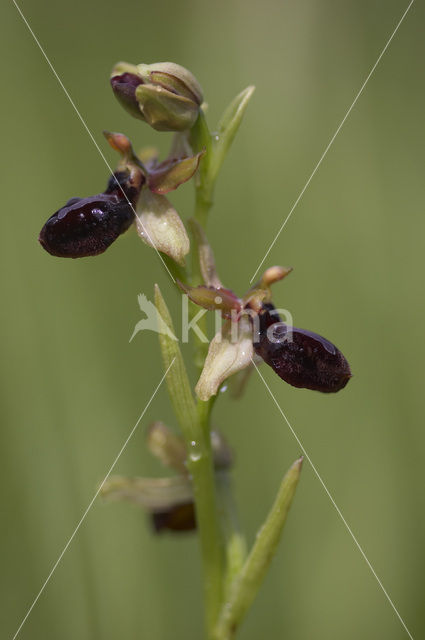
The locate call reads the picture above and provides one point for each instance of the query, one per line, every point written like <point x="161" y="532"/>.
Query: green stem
<point x="203" y="204"/>
<point x="200" y="347"/>
<point x="200" y="138"/>
<point x="201" y="468"/>
<point x="178" y="272"/>
<point x="214" y="503"/>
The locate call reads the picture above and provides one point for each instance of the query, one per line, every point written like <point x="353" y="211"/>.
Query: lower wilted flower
<point x="168" y="501"/>
<point x="135" y="192"/>
<point x="180" y="517"/>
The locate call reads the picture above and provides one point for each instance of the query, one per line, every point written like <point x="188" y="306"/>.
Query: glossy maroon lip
<point x="302" y="358"/>
<point x="86" y="226"/>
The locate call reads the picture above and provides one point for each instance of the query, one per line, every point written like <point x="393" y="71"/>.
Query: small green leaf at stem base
<point x="248" y="582"/>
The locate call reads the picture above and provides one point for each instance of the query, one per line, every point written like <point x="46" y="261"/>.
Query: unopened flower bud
<point x="165" y="95"/>
<point x="169" y="97"/>
<point x="274" y="274"/>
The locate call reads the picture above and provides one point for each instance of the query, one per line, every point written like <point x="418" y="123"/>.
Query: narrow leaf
<point x="177" y="378"/>
<point x="228" y="126"/>
<point x="247" y="584"/>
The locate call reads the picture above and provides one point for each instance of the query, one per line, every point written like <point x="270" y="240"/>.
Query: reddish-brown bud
<point x="124" y="87"/>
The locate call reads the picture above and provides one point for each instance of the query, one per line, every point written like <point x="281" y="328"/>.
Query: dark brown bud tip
<point x="124" y="87"/>
<point x="301" y="358"/>
<point x="86" y="226"/>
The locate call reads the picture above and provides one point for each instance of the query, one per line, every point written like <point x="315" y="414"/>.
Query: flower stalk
<point x="169" y="98"/>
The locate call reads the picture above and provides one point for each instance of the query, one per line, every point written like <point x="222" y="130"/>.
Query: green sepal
<point x="160" y="226"/>
<point x="166" y="111"/>
<point x="169" y="175"/>
<point x="155" y="494"/>
<point x="213" y="299"/>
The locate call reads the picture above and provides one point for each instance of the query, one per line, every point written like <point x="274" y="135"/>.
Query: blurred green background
<point x="72" y="386"/>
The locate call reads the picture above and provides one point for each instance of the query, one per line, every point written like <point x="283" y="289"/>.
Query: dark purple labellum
<point x="301" y="358"/>
<point x="86" y="226"/>
<point x="124" y="87"/>
<point x="180" y="517"/>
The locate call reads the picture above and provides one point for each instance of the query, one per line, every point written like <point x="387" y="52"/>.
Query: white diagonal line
<point x="83" y="517"/>
<point x="332" y="140"/>
<point x="319" y="477"/>
<point x="83" y="122"/>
